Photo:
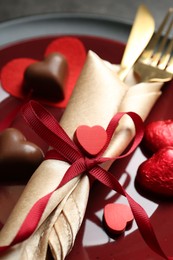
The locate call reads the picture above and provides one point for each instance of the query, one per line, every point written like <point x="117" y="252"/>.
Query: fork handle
<point x="123" y="72"/>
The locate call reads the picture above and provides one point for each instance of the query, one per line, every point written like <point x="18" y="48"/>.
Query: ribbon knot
<point x="90" y="163"/>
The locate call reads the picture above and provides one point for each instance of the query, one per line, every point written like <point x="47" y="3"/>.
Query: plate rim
<point x="80" y="23"/>
<point x="71" y="15"/>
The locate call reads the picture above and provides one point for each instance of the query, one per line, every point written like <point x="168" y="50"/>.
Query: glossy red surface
<point x="92" y="242"/>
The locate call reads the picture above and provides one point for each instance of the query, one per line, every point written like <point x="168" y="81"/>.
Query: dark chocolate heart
<point x="18" y="157"/>
<point x="46" y="79"/>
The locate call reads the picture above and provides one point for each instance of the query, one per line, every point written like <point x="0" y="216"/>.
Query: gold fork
<point x="156" y="61"/>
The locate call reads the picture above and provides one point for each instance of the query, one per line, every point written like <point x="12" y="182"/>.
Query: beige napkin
<point x="98" y="95"/>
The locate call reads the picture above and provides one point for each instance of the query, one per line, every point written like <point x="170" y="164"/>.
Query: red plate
<point x="92" y="242"/>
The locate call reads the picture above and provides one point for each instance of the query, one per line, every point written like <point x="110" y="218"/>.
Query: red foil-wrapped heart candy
<point x="156" y="174"/>
<point x="158" y="134"/>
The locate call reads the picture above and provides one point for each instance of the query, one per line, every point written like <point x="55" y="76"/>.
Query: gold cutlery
<point x="140" y="34"/>
<point x="156" y="61"/>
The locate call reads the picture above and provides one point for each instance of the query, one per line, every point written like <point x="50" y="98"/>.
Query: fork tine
<point x="157" y="56"/>
<point x="149" y="51"/>
<point x="170" y="65"/>
<point x="161" y="49"/>
<point x="165" y="59"/>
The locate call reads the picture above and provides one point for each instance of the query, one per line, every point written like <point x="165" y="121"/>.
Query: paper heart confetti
<point x="158" y="134"/>
<point x="156" y="173"/>
<point x="91" y="139"/>
<point x="12" y="74"/>
<point x="18" y="157"/>
<point x="117" y="217"/>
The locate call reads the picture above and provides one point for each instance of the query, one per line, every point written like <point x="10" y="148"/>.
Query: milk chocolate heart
<point x="91" y="139"/>
<point x="156" y="173"/>
<point x="18" y="157"/>
<point x="46" y="79"/>
<point x="117" y="217"/>
<point x="158" y="134"/>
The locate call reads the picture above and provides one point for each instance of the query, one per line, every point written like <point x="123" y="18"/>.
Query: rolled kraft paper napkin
<point x="63" y="227"/>
<point x="95" y="101"/>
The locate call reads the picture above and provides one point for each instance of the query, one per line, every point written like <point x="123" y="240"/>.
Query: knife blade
<point x="140" y="34"/>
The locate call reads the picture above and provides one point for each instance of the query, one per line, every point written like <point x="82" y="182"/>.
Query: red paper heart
<point x="156" y="173"/>
<point x="91" y="139"/>
<point x="18" y="157"/>
<point x="117" y="217"/>
<point x="12" y="74"/>
<point x="158" y="134"/>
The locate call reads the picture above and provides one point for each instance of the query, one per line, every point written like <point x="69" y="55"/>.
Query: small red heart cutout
<point x="18" y="157"/>
<point x="46" y="79"/>
<point x="91" y="139"/>
<point x="117" y="217"/>
<point x="158" y="134"/>
<point x="156" y="173"/>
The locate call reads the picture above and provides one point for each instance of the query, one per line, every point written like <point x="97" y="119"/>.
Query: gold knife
<point x="140" y="34"/>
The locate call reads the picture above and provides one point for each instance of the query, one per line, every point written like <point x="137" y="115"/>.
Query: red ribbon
<point x="47" y="127"/>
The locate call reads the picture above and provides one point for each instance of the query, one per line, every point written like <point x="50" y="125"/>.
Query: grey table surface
<point x="121" y="10"/>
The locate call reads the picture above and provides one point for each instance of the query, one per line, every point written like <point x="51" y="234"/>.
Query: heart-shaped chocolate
<point x="91" y="139"/>
<point x="117" y="217"/>
<point x="12" y="73"/>
<point x="158" y="134"/>
<point x="46" y="79"/>
<point x="156" y="173"/>
<point x="18" y="157"/>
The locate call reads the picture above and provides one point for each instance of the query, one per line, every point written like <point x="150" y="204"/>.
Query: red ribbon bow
<point x="44" y="124"/>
